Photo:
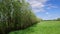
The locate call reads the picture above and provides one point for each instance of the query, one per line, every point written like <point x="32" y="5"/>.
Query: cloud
<point x="38" y="5"/>
<point x="39" y="10"/>
<point x="42" y="1"/>
<point x="50" y="6"/>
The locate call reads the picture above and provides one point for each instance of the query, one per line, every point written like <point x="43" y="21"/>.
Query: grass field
<point x="44" y="27"/>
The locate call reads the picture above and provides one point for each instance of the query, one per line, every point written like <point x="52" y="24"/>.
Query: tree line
<point x="15" y="15"/>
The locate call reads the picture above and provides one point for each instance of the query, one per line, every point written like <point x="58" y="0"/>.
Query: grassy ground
<point x="45" y="27"/>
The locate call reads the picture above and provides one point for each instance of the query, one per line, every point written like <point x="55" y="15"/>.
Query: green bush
<point x="15" y="15"/>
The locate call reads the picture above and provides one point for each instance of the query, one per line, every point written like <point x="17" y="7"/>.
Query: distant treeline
<point x="58" y="19"/>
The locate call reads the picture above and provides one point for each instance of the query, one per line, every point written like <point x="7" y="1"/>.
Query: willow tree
<point x="15" y="15"/>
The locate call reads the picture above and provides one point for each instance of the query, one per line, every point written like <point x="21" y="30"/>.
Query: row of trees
<point x="58" y="19"/>
<point x="15" y="15"/>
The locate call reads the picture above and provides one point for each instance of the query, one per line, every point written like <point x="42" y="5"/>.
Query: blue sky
<point x="46" y="9"/>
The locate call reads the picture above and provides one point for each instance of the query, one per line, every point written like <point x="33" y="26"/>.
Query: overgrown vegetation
<point x="15" y="15"/>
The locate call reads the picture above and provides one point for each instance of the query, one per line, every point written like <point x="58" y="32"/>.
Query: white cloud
<point x="40" y="4"/>
<point x="42" y="1"/>
<point x="50" y="6"/>
<point x="41" y="10"/>
<point x="36" y="4"/>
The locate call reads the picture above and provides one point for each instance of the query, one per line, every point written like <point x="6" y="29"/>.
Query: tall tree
<point x="15" y="15"/>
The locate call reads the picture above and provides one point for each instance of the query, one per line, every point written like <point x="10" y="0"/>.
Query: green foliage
<point x="15" y="14"/>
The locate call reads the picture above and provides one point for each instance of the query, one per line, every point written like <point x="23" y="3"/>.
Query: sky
<point x="46" y="9"/>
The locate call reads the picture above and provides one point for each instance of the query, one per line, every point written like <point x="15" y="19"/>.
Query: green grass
<point x="45" y="27"/>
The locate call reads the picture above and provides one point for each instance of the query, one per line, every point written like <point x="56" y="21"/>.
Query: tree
<point x="15" y="15"/>
<point x="58" y="19"/>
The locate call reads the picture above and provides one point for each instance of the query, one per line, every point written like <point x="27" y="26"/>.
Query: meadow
<point x="44" y="27"/>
